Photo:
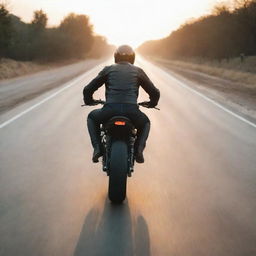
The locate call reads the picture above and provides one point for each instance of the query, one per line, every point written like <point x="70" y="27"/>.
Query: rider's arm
<point x="151" y="90"/>
<point x="94" y="85"/>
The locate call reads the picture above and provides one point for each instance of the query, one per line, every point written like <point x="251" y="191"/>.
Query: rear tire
<point x="118" y="172"/>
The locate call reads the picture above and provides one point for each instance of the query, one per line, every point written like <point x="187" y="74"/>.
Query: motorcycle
<point x="118" y="136"/>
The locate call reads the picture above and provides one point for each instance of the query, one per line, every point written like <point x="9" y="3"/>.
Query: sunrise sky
<point x="121" y="21"/>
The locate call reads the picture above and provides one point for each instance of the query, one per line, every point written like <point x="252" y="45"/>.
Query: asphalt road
<point x="15" y="91"/>
<point x="195" y="195"/>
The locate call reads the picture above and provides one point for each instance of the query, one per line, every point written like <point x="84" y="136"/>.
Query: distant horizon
<point x="131" y="26"/>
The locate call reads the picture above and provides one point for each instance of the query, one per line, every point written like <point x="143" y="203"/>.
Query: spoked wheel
<point x="118" y="172"/>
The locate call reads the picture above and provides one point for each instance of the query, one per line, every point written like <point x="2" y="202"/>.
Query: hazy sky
<point x="121" y="21"/>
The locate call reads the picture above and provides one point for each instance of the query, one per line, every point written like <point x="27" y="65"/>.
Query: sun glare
<point x="130" y="22"/>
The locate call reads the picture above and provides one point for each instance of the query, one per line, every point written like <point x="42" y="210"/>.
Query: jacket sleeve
<point x="94" y="85"/>
<point x="151" y="90"/>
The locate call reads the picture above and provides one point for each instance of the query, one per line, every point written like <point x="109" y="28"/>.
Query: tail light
<point x="122" y="123"/>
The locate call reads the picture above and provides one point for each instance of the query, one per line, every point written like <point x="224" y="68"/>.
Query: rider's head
<point x="124" y="53"/>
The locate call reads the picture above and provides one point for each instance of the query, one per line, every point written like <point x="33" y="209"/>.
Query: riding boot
<point x="94" y="131"/>
<point x="141" y="143"/>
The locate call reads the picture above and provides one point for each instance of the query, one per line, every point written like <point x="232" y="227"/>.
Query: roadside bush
<point x="228" y="32"/>
<point x="5" y="31"/>
<point x="72" y="39"/>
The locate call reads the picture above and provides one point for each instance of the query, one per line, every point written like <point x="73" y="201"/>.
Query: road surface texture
<point x="194" y="196"/>
<point x="18" y="90"/>
<point x="237" y="96"/>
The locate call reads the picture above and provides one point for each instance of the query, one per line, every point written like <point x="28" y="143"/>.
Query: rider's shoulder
<point x="107" y="67"/>
<point x="140" y="70"/>
<point x="110" y="67"/>
<point x="116" y="66"/>
<point x="105" y="70"/>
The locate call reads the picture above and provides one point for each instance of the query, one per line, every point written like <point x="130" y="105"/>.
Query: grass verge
<point x="233" y="70"/>
<point x="11" y="68"/>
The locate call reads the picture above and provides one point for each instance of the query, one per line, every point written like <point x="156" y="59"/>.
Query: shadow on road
<point x="113" y="233"/>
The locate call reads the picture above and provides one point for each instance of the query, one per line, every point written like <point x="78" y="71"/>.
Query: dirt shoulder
<point x="240" y="97"/>
<point x="21" y="89"/>
<point x="11" y="68"/>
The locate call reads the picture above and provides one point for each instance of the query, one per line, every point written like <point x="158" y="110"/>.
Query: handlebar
<point x="102" y="102"/>
<point x="95" y="102"/>
<point x="145" y="104"/>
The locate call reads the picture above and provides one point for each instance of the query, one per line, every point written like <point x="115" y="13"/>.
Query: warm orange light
<point x="141" y="20"/>
<point x="119" y="123"/>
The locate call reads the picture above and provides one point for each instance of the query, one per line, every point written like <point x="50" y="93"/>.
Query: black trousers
<point x="131" y="111"/>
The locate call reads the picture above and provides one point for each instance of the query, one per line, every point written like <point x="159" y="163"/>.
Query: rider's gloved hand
<point x="93" y="102"/>
<point x="89" y="102"/>
<point x="147" y="104"/>
<point x="151" y="105"/>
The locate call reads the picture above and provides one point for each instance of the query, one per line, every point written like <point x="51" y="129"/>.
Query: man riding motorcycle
<point x="122" y="81"/>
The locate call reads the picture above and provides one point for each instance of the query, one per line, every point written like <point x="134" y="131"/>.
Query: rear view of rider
<point x="122" y="81"/>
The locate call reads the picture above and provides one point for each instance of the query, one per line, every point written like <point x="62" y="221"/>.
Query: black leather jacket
<point x="122" y="83"/>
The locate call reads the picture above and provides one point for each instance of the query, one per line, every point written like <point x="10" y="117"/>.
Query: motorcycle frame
<point x="108" y="135"/>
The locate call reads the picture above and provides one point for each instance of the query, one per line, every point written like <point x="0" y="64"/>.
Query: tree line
<point x="228" y="32"/>
<point x="72" y="39"/>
